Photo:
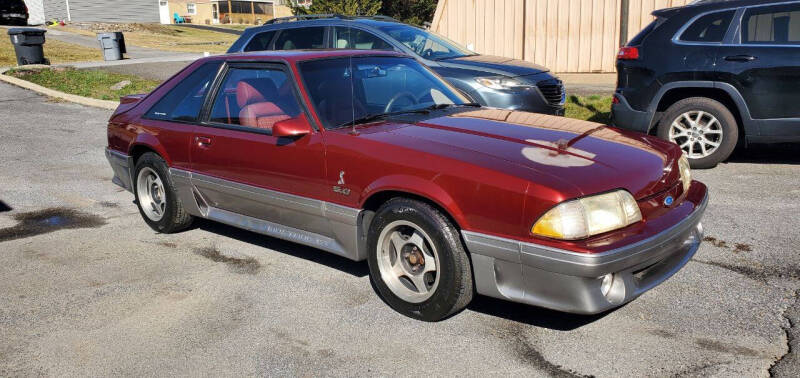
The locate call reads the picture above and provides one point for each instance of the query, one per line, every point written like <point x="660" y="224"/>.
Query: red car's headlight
<point x="587" y="216"/>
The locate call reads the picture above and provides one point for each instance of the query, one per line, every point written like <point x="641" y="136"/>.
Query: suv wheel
<point x="417" y="261"/>
<point x="704" y="129"/>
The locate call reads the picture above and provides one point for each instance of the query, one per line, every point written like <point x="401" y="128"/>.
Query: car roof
<point x="293" y="56"/>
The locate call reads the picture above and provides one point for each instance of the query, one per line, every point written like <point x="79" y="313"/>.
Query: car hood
<point x="494" y="64"/>
<point x="593" y="158"/>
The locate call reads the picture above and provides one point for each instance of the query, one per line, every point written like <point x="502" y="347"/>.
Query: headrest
<point x="254" y="90"/>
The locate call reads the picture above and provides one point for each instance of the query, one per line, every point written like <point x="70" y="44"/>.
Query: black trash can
<point x="28" y="44"/>
<point x="113" y="45"/>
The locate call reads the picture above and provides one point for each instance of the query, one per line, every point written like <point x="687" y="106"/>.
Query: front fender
<point x="417" y="186"/>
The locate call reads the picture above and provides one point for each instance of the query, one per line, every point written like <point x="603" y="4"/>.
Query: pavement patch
<point x="247" y="265"/>
<point x="760" y="273"/>
<point x="526" y="352"/>
<point x="49" y="220"/>
<point x="737" y="247"/>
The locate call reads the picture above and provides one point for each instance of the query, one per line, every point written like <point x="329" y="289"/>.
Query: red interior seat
<point x="253" y="97"/>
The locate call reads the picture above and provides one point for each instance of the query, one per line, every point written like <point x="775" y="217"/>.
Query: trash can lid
<point x="26" y="31"/>
<point x="112" y="35"/>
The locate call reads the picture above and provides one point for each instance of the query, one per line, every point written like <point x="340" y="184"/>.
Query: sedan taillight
<point x="628" y="53"/>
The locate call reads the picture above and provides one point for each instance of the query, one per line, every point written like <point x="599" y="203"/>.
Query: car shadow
<point x="532" y="315"/>
<point x="522" y="313"/>
<point x="782" y="153"/>
<point x="358" y="269"/>
<point x="4" y="207"/>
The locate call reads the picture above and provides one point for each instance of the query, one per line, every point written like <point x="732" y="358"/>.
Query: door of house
<point x="214" y="14"/>
<point x="163" y="11"/>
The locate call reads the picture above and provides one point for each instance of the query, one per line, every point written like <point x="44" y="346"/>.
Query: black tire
<point x="730" y="130"/>
<point x="455" y="286"/>
<point x="174" y="218"/>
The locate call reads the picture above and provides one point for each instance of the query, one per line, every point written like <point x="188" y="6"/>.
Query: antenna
<point x="352" y="100"/>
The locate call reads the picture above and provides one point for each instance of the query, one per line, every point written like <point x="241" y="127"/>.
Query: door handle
<point x="202" y="141"/>
<point x="740" y="58"/>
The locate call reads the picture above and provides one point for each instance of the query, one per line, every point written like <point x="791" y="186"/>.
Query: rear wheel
<point x="417" y="261"/>
<point x="156" y="196"/>
<point x="704" y="129"/>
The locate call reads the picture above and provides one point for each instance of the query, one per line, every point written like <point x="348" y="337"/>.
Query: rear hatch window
<point x="639" y="38"/>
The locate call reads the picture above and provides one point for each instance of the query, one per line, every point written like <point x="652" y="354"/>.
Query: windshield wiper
<point x="374" y="117"/>
<point x="445" y="106"/>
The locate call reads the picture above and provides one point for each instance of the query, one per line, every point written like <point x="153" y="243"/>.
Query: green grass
<point x="590" y="108"/>
<point x="87" y="83"/>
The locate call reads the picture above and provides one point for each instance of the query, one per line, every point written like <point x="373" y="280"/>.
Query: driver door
<point x="242" y="168"/>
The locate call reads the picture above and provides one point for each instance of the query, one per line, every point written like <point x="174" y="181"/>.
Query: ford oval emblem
<point x="668" y="201"/>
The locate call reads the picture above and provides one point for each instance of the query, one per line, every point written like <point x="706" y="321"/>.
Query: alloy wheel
<point x="152" y="197"/>
<point x="698" y="133"/>
<point x="408" y="261"/>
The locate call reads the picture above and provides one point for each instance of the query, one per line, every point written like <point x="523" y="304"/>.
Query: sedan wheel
<point x="417" y="261"/>
<point x="408" y="261"/>
<point x="150" y="190"/>
<point x="156" y="196"/>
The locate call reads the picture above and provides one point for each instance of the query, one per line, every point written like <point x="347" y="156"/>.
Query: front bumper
<point x="569" y="281"/>
<point x="528" y="100"/>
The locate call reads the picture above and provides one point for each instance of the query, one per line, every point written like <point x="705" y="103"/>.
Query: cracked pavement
<point x="99" y="293"/>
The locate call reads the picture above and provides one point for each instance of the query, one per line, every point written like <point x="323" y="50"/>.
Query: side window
<point x="260" y="41"/>
<point x="350" y="38"/>
<point x="709" y="28"/>
<point x="301" y="38"/>
<point x="772" y="25"/>
<point x="255" y="98"/>
<point x="184" y="101"/>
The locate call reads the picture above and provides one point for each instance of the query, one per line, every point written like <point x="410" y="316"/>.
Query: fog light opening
<point x="606" y="283"/>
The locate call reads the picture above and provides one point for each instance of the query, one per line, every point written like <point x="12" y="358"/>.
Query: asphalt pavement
<point x="86" y="288"/>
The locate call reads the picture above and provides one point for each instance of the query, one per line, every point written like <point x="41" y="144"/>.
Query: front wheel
<point x="417" y="261"/>
<point x="704" y="129"/>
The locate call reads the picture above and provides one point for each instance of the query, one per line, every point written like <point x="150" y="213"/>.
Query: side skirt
<point x="344" y="223"/>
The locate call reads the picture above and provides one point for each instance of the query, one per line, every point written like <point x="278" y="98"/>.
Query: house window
<point x="191" y="8"/>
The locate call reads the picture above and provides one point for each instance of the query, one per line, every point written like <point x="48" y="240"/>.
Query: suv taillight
<point x="628" y="53"/>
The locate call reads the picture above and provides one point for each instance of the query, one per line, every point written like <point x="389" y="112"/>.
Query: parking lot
<point x="86" y="288"/>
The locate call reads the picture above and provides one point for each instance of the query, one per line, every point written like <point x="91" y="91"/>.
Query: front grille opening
<point x="552" y="91"/>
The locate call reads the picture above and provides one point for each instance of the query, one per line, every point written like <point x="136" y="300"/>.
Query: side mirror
<point x="292" y="127"/>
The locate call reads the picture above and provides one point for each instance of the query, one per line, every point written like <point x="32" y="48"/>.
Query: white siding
<point x="35" y="12"/>
<point x="105" y="11"/>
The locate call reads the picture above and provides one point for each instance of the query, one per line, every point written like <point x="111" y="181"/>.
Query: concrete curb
<point x="103" y="104"/>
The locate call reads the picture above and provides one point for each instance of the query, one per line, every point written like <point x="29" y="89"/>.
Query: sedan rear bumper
<point x="571" y="282"/>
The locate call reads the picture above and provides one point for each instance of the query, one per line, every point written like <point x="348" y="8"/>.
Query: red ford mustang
<point x="371" y="156"/>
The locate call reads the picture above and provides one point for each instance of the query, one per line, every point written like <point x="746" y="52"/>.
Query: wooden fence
<point x="563" y="35"/>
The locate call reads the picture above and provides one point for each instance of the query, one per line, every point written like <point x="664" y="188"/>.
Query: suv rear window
<point x="772" y="25"/>
<point x="301" y="38"/>
<point x="260" y="41"/>
<point x="639" y="38"/>
<point x="709" y="28"/>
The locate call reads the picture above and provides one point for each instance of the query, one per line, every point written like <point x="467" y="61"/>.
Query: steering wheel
<point x="398" y="96"/>
<point x="427" y="54"/>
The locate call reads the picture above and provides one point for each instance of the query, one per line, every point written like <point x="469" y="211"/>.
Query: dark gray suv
<point x="489" y="80"/>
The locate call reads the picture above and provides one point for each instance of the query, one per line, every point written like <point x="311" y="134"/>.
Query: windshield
<point x="426" y="44"/>
<point x="342" y="92"/>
